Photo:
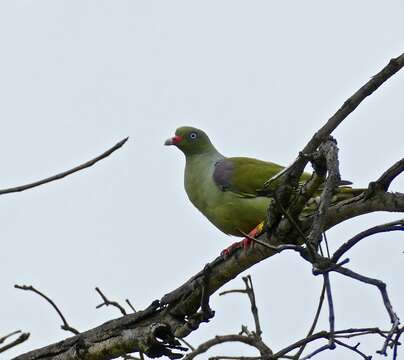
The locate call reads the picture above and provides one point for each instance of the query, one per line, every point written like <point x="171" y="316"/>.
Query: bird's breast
<point x="228" y="211"/>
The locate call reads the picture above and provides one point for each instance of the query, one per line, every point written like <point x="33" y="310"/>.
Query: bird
<point x="226" y="190"/>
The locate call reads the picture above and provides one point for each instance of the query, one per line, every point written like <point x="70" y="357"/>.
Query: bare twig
<point x="382" y="288"/>
<point x="396" y="342"/>
<point x="314" y="324"/>
<point x="331" y="316"/>
<point x="279" y="248"/>
<point x="65" y="173"/>
<point x="254" y="310"/>
<point x="107" y="302"/>
<point x="5" y="337"/>
<point x="186" y="343"/>
<point x="130" y="357"/>
<point x="295" y="225"/>
<point x="23" y="337"/>
<point x="220" y="339"/>
<point x="65" y="325"/>
<point x="317" y="351"/>
<point x="249" y="291"/>
<point x="392" y="226"/>
<point x="354" y="349"/>
<point x="346" y="333"/>
<point x="130" y="305"/>
<point x="384" y="181"/>
<point x="347" y="108"/>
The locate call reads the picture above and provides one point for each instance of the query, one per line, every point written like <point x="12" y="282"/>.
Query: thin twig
<point x="107" y="302"/>
<point x="187" y="344"/>
<point x="317" y="351"/>
<point x="396" y="342"/>
<point x="65" y="325"/>
<point x="346" y="333"/>
<point x="65" y="173"/>
<point x="331" y="316"/>
<point x="295" y="225"/>
<point x="314" y="324"/>
<point x="391" y="226"/>
<point x="220" y="339"/>
<point x="23" y="337"/>
<point x="326" y="245"/>
<point x="278" y="248"/>
<point x="249" y="291"/>
<point x="254" y="310"/>
<point x="354" y="349"/>
<point x="296" y="168"/>
<point x="5" y="337"/>
<point x="130" y="305"/>
<point x="384" y="181"/>
<point x="130" y="357"/>
<point x="386" y="301"/>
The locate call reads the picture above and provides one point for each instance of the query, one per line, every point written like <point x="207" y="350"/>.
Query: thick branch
<point x="330" y="153"/>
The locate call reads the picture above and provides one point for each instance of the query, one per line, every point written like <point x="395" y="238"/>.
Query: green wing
<point x="245" y="176"/>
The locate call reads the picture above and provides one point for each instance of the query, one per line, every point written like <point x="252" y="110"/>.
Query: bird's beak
<point x="174" y="140"/>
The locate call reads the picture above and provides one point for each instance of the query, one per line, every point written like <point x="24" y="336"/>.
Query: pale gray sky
<point x="259" y="76"/>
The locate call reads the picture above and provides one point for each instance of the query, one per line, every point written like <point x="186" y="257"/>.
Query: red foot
<point x="245" y="243"/>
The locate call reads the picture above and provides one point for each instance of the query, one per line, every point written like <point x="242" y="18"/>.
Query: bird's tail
<point x="342" y="193"/>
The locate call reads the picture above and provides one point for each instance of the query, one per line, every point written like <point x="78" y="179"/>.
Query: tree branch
<point x="23" y="337"/>
<point x="220" y="339"/>
<point x="153" y="330"/>
<point x="342" y="113"/>
<point x="64" y="173"/>
<point x="65" y="325"/>
<point x="384" y="181"/>
<point x="392" y="226"/>
<point x="107" y="302"/>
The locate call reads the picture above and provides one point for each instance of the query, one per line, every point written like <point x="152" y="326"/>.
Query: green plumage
<point x="224" y="189"/>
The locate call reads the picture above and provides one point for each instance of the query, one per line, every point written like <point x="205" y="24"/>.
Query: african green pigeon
<point x="225" y="190"/>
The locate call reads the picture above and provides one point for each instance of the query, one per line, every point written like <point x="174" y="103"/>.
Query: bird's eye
<point x="193" y="135"/>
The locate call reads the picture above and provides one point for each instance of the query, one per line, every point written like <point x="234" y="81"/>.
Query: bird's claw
<point x="245" y="243"/>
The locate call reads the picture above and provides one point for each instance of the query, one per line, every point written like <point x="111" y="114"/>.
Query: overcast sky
<point x="258" y="76"/>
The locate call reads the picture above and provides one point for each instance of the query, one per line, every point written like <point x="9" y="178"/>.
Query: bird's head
<point x="190" y="141"/>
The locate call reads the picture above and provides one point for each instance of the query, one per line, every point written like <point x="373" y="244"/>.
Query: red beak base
<point x="174" y="140"/>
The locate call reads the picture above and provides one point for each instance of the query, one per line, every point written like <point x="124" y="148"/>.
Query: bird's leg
<point x="246" y="242"/>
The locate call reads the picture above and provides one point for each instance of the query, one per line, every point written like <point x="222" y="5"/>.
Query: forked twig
<point x="249" y="291"/>
<point x="107" y="302"/>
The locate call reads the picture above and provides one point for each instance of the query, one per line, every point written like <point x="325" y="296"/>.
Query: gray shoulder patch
<point x="223" y="173"/>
